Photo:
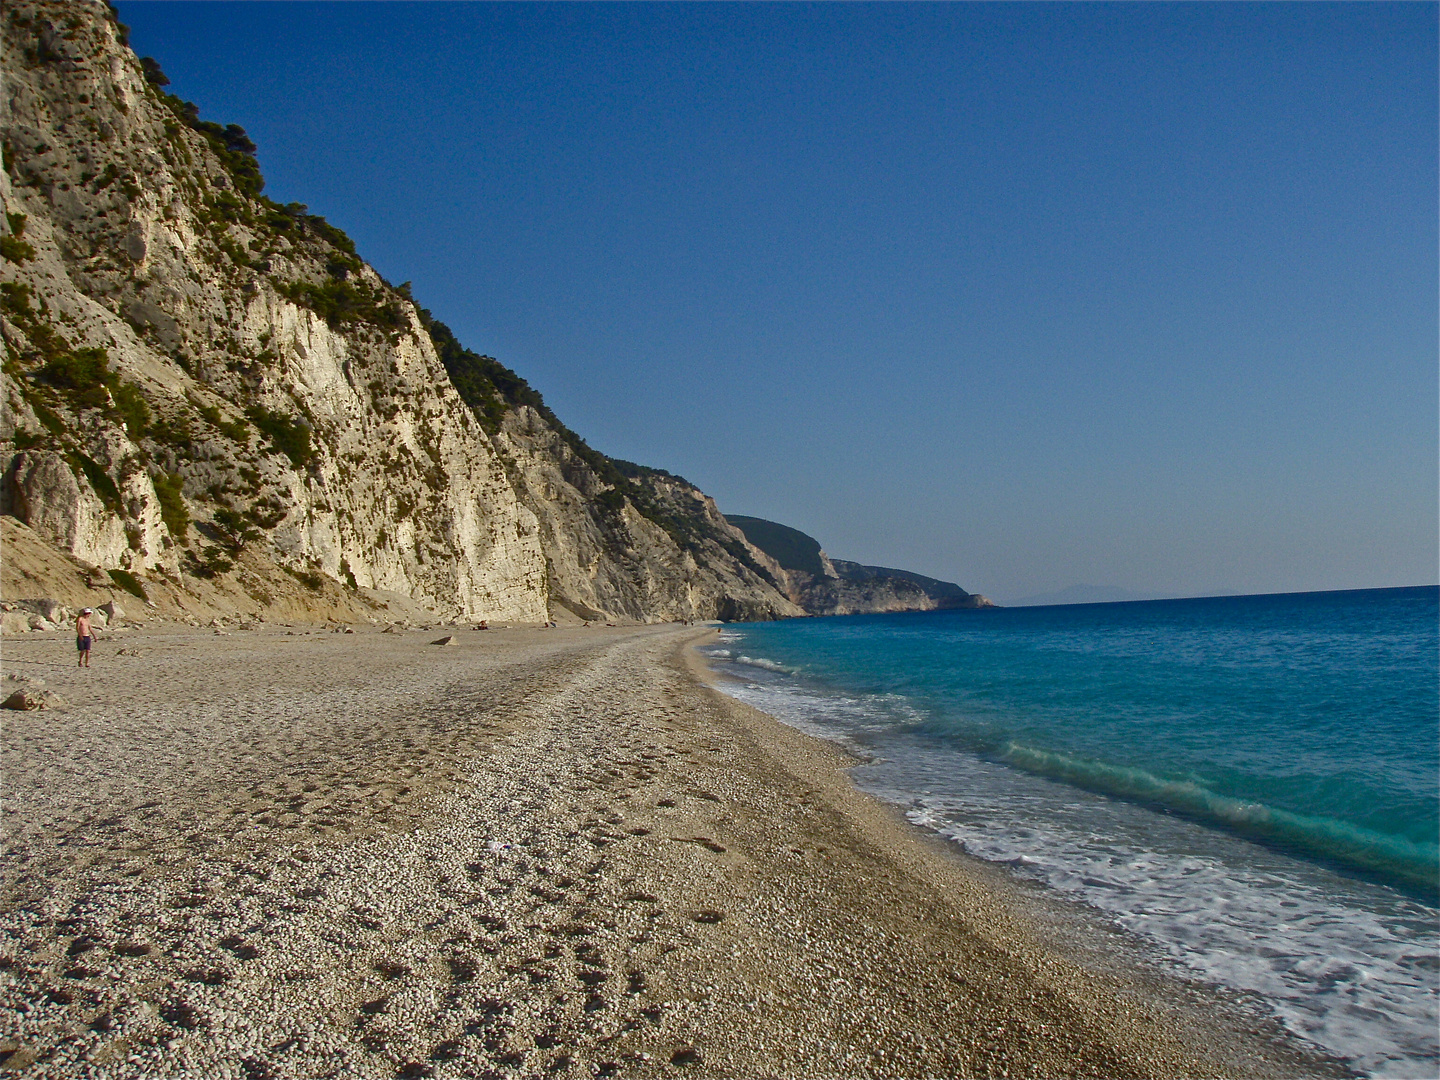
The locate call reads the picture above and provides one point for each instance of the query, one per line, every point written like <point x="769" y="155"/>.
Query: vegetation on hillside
<point x="791" y="548"/>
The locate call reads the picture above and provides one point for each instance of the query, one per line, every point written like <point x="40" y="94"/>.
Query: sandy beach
<point x="296" y="853"/>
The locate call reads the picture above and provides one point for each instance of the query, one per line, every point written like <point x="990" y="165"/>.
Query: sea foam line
<point x="1418" y="865"/>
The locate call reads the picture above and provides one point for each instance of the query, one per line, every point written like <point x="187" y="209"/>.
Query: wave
<point x="766" y="665"/>
<point x="1417" y="865"/>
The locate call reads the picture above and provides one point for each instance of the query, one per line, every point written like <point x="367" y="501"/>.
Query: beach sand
<point x="527" y="853"/>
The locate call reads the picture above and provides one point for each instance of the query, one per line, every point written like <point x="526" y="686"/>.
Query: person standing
<point x="84" y="637"/>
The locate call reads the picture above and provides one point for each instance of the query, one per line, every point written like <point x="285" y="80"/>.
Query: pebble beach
<point x="283" y="852"/>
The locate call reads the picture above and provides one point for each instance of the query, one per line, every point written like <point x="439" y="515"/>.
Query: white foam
<point x="761" y="662"/>
<point x="1348" y="965"/>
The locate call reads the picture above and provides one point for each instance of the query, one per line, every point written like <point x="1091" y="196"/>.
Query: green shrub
<point x="153" y="75"/>
<point x="16" y="250"/>
<point x="85" y="377"/>
<point x="287" y="436"/>
<point x="83" y="373"/>
<point x="234" y="430"/>
<point x="16" y="223"/>
<point x="169" y="490"/>
<point x="99" y="479"/>
<point x="131" y="407"/>
<point x="236" y="532"/>
<point x="48" y="419"/>
<point x="266" y="514"/>
<point x="340" y="302"/>
<point x="174" y="432"/>
<point x="311" y="580"/>
<point x="212" y="563"/>
<point x="127" y="581"/>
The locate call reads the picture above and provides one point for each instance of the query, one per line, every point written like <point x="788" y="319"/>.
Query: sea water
<point x="1247" y="784"/>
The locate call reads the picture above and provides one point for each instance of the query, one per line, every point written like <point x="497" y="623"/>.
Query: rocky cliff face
<point x="854" y="589"/>
<point x="825" y="586"/>
<point x="203" y="386"/>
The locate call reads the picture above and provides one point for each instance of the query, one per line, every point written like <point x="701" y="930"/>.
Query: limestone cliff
<point x="207" y="390"/>
<point x="825" y="586"/>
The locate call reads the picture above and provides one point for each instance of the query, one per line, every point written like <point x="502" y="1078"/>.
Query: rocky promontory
<point x="825" y="586"/>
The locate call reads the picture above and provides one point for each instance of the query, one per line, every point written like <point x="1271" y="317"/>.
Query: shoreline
<point x="529" y="853"/>
<point x="1074" y="930"/>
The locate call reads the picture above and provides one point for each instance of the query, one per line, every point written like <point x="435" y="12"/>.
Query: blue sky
<point x="1019" y="296"/>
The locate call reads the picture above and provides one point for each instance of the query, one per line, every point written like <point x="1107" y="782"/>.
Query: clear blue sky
<point x="1019" y="296"/>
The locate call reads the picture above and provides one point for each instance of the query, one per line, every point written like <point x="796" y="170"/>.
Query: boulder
<point x="39" y="622"/>
<point x="14" y="622"/>
<point x="33" y="699"/>
<point x="448" y="639"/>
<point x="53" y="610"/>
<point x="112" y="611"/>
<point x="391" y="629"/>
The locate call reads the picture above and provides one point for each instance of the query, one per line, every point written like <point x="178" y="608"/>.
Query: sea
<point x="1248" y="785"/>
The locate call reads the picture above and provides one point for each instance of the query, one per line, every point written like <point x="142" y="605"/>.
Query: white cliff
<point x="179" y="347"/>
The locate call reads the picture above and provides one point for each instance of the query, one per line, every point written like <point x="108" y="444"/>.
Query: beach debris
<point x="391" y="629"/>
<point x="30" y="698"/>
<point x="448" y="639"/>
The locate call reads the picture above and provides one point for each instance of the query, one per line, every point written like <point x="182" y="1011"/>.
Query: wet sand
<point x="528" y="853"/>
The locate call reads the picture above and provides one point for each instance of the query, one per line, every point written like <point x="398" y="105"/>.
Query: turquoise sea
<point x="1249" y="785"/>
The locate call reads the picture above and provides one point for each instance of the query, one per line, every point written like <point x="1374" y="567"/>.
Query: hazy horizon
<point x="1017" y="296"/>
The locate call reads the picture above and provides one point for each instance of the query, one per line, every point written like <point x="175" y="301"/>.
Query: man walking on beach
<point x="84" y="635"/>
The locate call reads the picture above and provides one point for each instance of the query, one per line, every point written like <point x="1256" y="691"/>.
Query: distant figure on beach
<point x="84" y="636"/>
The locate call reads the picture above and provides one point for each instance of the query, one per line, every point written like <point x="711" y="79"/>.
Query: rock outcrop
<point x="825" y="586"/>
<point x="215" y="395"/>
